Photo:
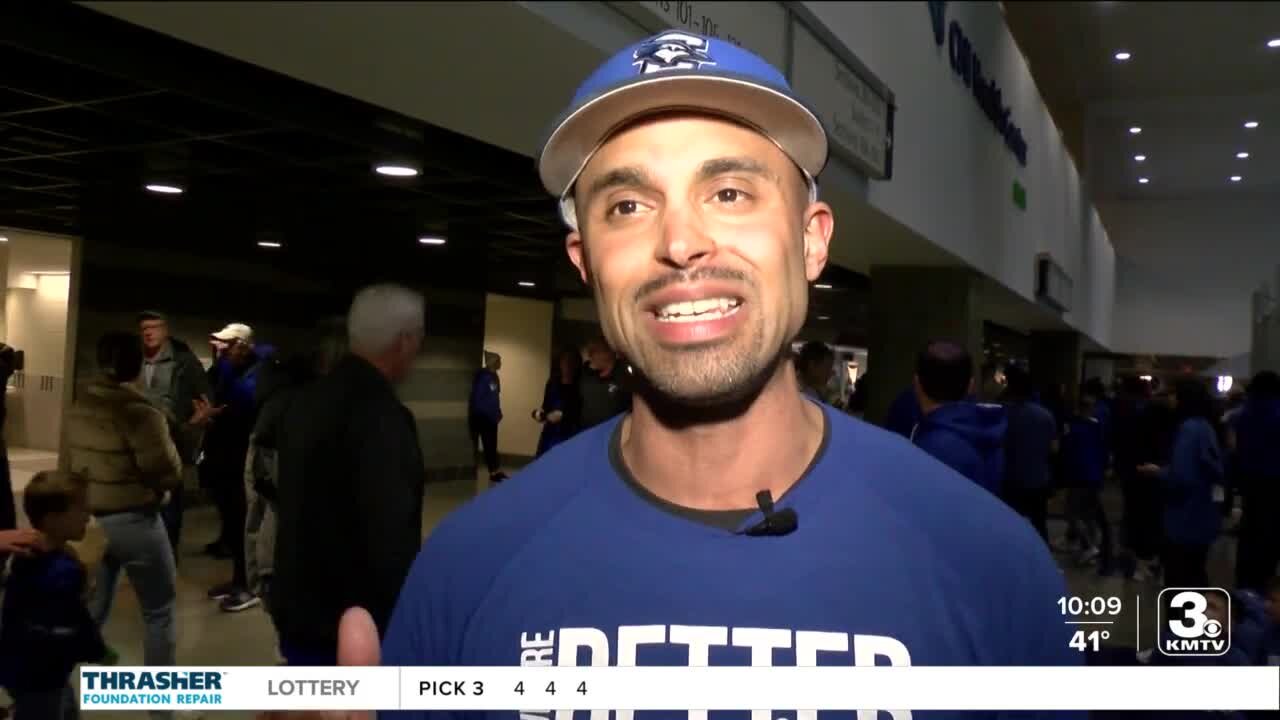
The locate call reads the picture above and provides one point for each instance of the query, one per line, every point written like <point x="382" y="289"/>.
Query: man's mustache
<point x="682" y="277"/>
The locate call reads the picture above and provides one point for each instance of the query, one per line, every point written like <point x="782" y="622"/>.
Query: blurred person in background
<point x="226" y="446"/>
<point x="1084" y="451"/>
<point x="279" y="382"/>
<point x="121" y="443"/>
<point x="561" y="410"/>
<point x="1029" y="445"/>
<point x="485" y="413"/>
<point x="1141" y="521"/>
<point x="1257" y="438"/>
<point x="1191" y="519"/>
<point x="815" y="367"/>
<point x="605" y="386"/>
<point x="350" y="482"/>
<point x="966" y="435"/>
<point x="175" y="382"/>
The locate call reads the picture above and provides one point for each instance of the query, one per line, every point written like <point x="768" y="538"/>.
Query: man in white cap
<point x="727" y="519"/>
<point x="233" y="382"/>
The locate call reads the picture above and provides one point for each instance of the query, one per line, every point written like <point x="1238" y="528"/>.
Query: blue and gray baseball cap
<point x="679" y="70"/>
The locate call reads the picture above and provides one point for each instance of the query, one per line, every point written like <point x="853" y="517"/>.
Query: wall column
<point x="909" y="307"/>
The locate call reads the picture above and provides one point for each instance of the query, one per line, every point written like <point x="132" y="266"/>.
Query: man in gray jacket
<point x="175" y="382"/>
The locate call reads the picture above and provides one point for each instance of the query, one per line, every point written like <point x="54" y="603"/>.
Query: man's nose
<point x="685" y="240"/>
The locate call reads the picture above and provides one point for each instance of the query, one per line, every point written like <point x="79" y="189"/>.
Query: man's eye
<point x="626" y="207"/>
<point x="730" y="195"/>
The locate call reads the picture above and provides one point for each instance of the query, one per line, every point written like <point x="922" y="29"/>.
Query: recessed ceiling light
<point x="1273" y="43"/>
<point x="1143" y="181"/>
<point x="268" y="244"/>
<point x="396" y="170"/>
<point x="1242" y="155"/>
<point x="824" y="317"/>
<point x="822" y="286"/>
<point x="1236" y="178"/>
<point x="48" y="273"/>
<point x="1251" y="125"/>
<point x="1140" y="158"/>
<point x="164" y="189"/>
<point x="3" y="239"/>
<point x="430" y="240"/>
<point x="1122" y="56"/>
<point x="1135" y="130"/>
<point x="525" y="283"/>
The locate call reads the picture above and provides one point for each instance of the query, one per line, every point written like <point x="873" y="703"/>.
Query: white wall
<point x="1177" y="291"/>
<point x="519" y="330"/>
<point x="953" y="176"/>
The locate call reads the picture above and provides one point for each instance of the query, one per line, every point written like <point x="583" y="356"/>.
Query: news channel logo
<point x="1194" y="622"/>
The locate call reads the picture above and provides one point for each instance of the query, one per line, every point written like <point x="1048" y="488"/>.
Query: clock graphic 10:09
<point x="1076" y="606"/>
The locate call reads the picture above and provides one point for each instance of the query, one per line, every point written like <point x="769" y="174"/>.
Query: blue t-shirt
<point x="896" y="560"/>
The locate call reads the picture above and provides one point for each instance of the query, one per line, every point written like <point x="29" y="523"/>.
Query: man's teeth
<point x="690" y="311"/>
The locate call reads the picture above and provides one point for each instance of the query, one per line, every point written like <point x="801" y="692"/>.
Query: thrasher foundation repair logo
<point x="1194" y="622"/>
<point x="146" y="688"/>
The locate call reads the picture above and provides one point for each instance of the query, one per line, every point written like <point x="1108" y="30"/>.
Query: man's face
<point x="154" y="333"/>
<point x="237" y="352"/>
<point x="698" y="240"/>
<point x="600" y="358"/>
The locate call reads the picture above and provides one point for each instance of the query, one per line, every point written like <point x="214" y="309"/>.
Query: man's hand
<point x="22" y="541"/>
<point x="555" y="416"/>
<point x="357" y="647"/>
<point x="202" y="411"/>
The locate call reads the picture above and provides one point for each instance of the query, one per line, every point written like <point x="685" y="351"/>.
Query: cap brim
<point x="578" y="134"/>
<point x="222" y="337"/>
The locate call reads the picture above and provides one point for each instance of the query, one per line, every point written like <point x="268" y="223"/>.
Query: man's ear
<point x="577" y="250"/>
<point x="819" y="223"/>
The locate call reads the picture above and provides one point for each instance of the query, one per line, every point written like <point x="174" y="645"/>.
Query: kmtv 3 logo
<point x="1194" y="622"/>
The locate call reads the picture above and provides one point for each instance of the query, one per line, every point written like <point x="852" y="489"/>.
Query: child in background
<point x="45" y="628"/>
<point x="1084" y="453"/>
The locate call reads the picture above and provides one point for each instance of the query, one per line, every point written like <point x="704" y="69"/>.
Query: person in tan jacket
<point x="122" y="444"/>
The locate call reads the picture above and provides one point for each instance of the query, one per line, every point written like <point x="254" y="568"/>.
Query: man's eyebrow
<point x="724" y="165"/>
<point x="627" y="176"/>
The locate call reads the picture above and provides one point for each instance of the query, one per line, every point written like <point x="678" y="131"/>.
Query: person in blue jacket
<point x="1191" y="519"/>
<point x="1257" y="434"/>
<point x="485" y="412"/>
<point x="726" y="519"/>
<point x="45" y="628"/>
<point x="1084" y="455"/>
<point x="1029" y="446"/>
<point x="967" y="436"/>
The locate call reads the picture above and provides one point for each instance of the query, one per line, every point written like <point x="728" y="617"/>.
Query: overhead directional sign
<point x="856" y="115"/>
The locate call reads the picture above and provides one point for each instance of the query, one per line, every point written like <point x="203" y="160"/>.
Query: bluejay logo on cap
<point x="672" y="51"/>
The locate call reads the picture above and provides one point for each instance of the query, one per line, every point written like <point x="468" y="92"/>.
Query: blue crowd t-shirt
<point x="897" y="560"/>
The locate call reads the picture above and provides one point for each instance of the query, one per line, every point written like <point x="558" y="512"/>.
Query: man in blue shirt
<point x="684" y="168"/>
<point x="967" y="436"/>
